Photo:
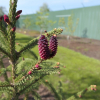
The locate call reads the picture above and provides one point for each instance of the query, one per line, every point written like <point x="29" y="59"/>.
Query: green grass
<point x="80" y="72"/>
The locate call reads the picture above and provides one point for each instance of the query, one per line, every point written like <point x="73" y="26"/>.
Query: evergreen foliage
<point x="25" y="77"/>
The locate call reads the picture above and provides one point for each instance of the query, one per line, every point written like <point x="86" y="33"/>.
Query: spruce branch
<point x="31" y="52"/>
<point x="11" y="35"/>
<point x="50" y="86"/>
<point x="13" y="55"/>
<point x="33" y="42"/>
<point x="6" y="85"/>
<point x="60" y="91"/>
<point x="36" y="80"/>
<point x="23" y="66"/>
<point x="32" y="77"/>
<point x="81" y="93"/>
<point x="32" y="69"/>
<point x="4" y="51"/>
<point x="3" y="30"/>
<point x="5" y="74"/>
<point x="36" y="95"/>
<point x="13" y="70"/>
<point x="11" y="28"/>
<point x="4" y="43"/>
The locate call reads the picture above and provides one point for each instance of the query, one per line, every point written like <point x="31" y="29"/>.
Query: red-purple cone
<point x="6" y="19"/>
<point x="29" y="72"/>
<point x="19" y="12"/>
<point x="17" y="17"/>
<point x="13" y="29"/>
<point x="53" y="46"/>
<point x="43" y="47"/>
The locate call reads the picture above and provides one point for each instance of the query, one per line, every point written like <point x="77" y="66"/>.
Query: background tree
<point x="62" y="23"/>
<point x="70" y="27"/>
<point x="44" y="8"/>
<point x="41" y="18"/>
<point x="27" y="23"/>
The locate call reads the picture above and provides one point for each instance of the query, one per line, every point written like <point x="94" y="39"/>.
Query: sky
<point x="32" y="6"/>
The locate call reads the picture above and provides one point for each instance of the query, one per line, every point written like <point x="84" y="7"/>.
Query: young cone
<point x="17" y="17"/>
<point x="43" y="47"/>
<point x="6" y="19"/>
<point x="19" y="12"/>
<point x="53" y="46"/>
<point x="13" y="29"/>
<point x="37" y="65"/>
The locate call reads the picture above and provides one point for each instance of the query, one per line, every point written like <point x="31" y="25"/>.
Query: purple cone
<point x="6" y="19"/>
<point x="53" y="46"/>
<point x="43" y="47"/>
<point x="13" y="29"/>
<point x="19" y="12"/>
<point x="17" y="17"/>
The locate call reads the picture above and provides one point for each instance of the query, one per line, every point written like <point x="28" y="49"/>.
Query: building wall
<point x="88" y="26"/>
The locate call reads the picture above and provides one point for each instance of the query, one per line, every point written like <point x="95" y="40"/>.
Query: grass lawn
<point x="80" y="72"/>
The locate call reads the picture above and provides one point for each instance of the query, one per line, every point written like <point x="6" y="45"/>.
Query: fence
<point x="88" y="26"/>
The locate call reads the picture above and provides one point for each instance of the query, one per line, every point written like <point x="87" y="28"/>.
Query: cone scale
<point x="53" y="46"/>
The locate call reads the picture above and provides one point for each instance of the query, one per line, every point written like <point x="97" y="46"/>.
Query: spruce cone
<point x="19" y="12"/>
<point x="43" y="47"/>
<point x="53" y="46"/>
<point x="17" y="17"/>
<point x="29" y="72"/>
<point x="6" y="19"/>
<point x="13" y="29"/>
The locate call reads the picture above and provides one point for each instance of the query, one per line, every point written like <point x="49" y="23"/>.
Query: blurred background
<point x="76" y="17"/>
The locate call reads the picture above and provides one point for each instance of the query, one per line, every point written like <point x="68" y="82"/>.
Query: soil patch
<point x="88" y="47"/>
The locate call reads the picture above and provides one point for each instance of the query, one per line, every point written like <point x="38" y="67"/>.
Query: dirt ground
<point x="88" y="47"/>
